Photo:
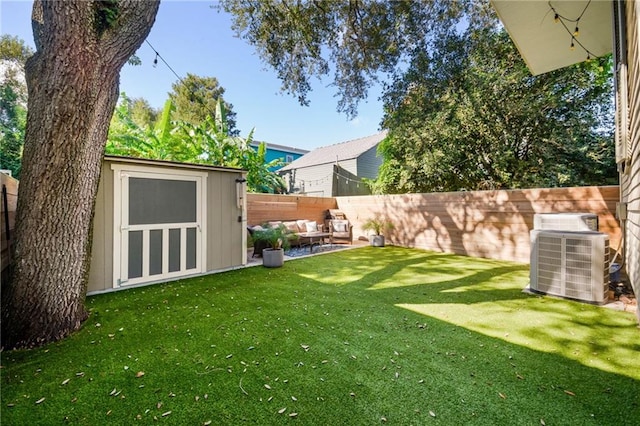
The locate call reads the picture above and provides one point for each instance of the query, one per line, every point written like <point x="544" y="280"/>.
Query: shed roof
<point x="338" y="152"/>
<point x="174" y="164"/>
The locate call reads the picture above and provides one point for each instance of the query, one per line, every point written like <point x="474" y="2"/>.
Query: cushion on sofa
<point x="292" y="226"/>
<point x="311" y="226"/>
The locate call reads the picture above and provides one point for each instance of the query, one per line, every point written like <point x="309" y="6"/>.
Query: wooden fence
<point x="264" y="207"/>
<point x="8" y="201"/>
<point x="490" y="224"/>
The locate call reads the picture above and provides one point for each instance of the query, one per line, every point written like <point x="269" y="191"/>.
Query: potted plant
<point x="277" y="239"/>
<point x="378" y="225"/>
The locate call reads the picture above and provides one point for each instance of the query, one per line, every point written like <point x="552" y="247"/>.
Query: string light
<point x="192" y="93"/>
<point x="557" y="17"/>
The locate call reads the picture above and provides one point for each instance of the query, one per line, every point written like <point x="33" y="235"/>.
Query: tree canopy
<point x="359" y="41"/>
<point x="207" y="142"/>
<point x="468" y="115"/>
<point x="195" y="99"/>
<point x="461" y="107"/>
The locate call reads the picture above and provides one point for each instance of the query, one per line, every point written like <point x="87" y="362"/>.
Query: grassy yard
<point x="357" y="337"/>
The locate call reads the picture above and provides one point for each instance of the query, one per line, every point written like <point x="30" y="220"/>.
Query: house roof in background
<point x="338" y="152"/>
<point x="283" y="148"/>
<point x="543" y="43"/>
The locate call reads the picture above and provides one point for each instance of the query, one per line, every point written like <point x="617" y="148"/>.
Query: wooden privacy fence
<point x="264" y="207"/>
<point x="8" y="201"/>
<point x="490" y="224"/>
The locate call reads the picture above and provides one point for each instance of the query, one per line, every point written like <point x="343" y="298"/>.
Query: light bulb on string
<point x="155" y="60"/>
<point x="556" y="18"/>
<point x="573" y="46"/>
<point x="576" y="33"/>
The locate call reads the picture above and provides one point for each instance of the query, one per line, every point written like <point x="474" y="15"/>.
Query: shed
<point x="157" y="220"/>
<point x="335" y="170"/>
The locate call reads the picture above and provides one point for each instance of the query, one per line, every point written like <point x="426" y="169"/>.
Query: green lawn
<point x="356" y="337"/>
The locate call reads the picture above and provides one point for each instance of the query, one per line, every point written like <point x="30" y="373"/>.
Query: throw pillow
<point x="312" y="226"/>
<point x="339" y="226"/>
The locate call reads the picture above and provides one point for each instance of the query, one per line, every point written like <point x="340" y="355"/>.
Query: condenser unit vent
<point x="574" y="265"/>
<point x="566" y="221"/>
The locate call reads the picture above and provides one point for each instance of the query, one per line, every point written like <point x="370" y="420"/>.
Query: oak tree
<point x="72" y="82"/>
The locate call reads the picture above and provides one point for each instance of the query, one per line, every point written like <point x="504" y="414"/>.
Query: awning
<point x="541" y="37"/>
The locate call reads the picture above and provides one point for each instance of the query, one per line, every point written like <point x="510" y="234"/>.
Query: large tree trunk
<point x="73" y="88"/>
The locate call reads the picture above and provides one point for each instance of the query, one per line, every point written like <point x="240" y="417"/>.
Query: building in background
<point x="287" y="154"/>
<point x="335" y="170"/>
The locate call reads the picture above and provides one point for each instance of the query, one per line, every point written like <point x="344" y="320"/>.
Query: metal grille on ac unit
<point x="570" y="264"/>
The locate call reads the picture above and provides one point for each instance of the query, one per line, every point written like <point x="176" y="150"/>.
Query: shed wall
<point x="225" y="235"/>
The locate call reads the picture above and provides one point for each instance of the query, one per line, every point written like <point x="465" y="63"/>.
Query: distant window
<point x="288" y="158"/>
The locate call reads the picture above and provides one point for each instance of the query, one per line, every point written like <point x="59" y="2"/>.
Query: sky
<point x="194" y="38"/>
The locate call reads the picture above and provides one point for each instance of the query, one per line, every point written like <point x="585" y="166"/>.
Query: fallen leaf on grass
<point x="166" y="413"/>
<point x="282" y="410"/>
<point x="293" y="414"/>
<point x="542" y="422"/>
<point x="140" y="374"/>
<point x="519" y="376"/>
<point x="207" y="423"/>
<point x="40" y="400"/>
<point x="305" y="347"/>
<point x="383" y="419"/>
<point x="65" y="381"/>
<point x="432" y="414"/>
<point x="568" y="392"/>
<point x="267" y="386"/>
<point x="503" y="396"/>
<point x="109" y="413"/>
<point x="293" y="398"/>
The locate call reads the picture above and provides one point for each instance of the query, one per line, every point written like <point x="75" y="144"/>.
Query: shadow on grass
<point x="486" y="296"/>
<point x="344" y="338"/>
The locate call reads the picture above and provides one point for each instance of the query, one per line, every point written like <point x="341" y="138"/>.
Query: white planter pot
<point x="376" y="240"/>
<point x="273" y="258"/>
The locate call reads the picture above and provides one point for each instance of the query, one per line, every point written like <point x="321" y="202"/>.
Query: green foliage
<point x="352" y="336"/>
<point x="364" y="40"/>
<point x="379" y="225"/>
<point x="13" y="118"/>
<point x="106" y="14"/>
<point x="195" y="98"/>
<point x="276" y="237"/>
<point x="206" y="142"/>
<point x="469" y="116"/>
<point x="14" y="49"/>
<point x="13" y="102"/>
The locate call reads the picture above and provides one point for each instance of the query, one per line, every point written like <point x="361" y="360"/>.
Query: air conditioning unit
<point x="574" y="265"/>
<point x="566" y="221"/>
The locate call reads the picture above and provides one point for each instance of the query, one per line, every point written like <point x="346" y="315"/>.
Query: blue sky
<point x="194" y="38"/>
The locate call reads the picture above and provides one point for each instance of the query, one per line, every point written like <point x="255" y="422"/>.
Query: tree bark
<point x="72" y="81"/>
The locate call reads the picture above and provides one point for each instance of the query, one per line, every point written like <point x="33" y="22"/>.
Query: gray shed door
<point x="161" y="226"/>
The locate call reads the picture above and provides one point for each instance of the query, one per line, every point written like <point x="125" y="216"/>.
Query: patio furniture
<point x="314" y="238"/>
<point x="339" y="227"/>
<point x="295" y="229"/>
